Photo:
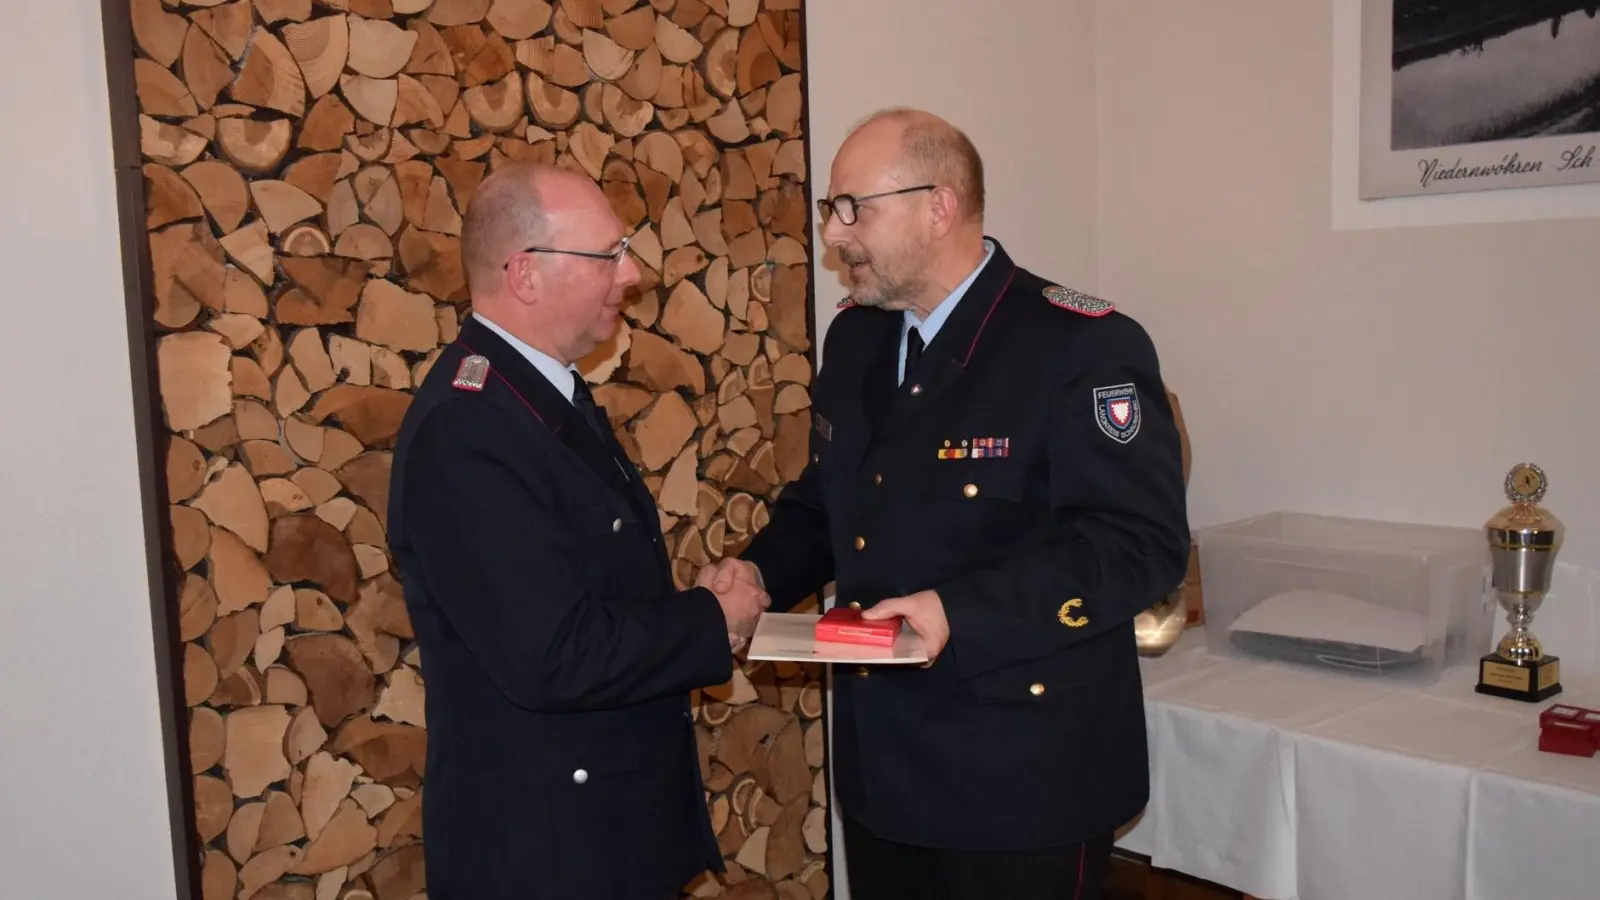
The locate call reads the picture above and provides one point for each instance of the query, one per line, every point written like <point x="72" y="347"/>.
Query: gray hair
<point x="506" y="215"/>
<point x="937" y="152"/>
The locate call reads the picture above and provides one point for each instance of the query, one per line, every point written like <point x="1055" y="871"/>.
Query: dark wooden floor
<point x="1132" y="878"/>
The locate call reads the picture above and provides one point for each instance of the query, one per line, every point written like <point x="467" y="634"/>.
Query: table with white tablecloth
<point x="1294" y="784"/>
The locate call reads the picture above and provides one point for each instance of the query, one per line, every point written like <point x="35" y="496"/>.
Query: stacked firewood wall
<point x="306" y="167"/>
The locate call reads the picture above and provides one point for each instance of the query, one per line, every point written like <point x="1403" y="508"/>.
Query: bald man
<point x="558" y="655"/>
<point x="994" y="459"/>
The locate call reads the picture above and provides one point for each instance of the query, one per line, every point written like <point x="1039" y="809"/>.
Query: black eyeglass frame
<point x="615" y="255"/>
<point x="828" y="207"/>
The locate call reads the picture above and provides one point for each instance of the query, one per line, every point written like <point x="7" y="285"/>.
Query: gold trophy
<point x="1523" y="540"/>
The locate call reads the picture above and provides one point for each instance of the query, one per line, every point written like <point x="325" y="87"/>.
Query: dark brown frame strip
<point x="139" y="295"/>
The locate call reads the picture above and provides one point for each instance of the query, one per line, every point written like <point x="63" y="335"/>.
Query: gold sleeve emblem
<point x="1066" y="616"/>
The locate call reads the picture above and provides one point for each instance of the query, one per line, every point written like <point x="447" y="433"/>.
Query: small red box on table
<point x="842" y="625"/>
<point x="1568" y="729"/>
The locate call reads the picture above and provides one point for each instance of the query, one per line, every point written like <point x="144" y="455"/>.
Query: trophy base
<point x="1532" y="682"/>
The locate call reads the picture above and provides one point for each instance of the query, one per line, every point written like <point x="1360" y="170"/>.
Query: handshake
<point x="740" y="592"/>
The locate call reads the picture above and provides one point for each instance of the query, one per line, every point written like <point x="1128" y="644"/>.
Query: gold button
<point x="855" y="604"/>
<point x="877" y="479"/>
<point x="862" y="671"/>
<point x="970" y="490"/>
<point x="616" y="526"/>
<point x="1036" y="689"/>
<point x="861" y="543"/>
<point x="816" y="458"/>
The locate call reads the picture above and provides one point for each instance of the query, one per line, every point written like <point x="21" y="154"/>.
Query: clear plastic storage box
<point x="1392" y="599"/>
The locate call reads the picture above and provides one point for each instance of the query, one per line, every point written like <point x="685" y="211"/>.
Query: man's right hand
<point x="741" y="598"/>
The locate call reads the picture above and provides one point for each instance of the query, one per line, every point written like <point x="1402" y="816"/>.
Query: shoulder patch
<point x="1077" y="301"/>
<point x="846" y="303"/>
<point x="471" y="375"/>
<point x="1117" y="412"/>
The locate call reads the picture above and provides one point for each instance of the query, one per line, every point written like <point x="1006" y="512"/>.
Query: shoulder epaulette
<point x="1077" y="301"/>
<point x="472" y="373"/>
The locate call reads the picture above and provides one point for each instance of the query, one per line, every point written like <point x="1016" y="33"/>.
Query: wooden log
<point x="254" y="757"/>
<point x="170" y="145"/>
<point x="271" y="77"/>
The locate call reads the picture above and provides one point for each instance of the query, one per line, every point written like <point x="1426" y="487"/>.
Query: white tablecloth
<point x="1291" y="784"/>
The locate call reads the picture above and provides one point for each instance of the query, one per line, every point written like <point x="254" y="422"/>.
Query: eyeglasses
<point x="844" y="205"/>
<point x="614" y="254"/>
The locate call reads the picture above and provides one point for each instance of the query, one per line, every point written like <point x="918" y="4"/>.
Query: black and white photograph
<point x="1468" y="95"/>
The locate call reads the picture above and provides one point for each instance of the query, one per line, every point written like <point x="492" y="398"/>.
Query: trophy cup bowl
<point x="1523" y="542"/>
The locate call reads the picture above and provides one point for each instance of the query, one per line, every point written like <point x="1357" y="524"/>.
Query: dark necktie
<point x="584" y="401"/>
<point x="914" y="347"/>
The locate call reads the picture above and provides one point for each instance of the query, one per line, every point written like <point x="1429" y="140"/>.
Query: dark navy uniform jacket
<point x="558" y="657"/>
<point x="1029" y="470"/>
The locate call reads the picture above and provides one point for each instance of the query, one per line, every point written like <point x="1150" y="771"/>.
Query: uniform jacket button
<point x="970" y="490"/>
<point x="855" y="604"/>
<point x="616" y="525"/>
<point x="1036" y="689"/>
<point x="877" y="479"/>
<point x="580" y="776"/>
<point x="863" y="672"/>
<point x="861" y="543"/>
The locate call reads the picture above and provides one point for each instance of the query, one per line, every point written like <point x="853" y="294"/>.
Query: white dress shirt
<point x="930" y="326"/>
<point x="563" y="377"/>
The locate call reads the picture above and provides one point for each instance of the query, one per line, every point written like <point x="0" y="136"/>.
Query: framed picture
<point x="1475" y="95"/>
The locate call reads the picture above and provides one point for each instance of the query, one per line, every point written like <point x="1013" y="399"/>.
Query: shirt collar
<point x="930" y="326"/>
<point x="562" y="377"/>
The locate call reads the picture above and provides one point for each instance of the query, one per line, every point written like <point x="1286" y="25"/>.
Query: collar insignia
<point x="474" y="371"/>
<point x="1077" y="301"/>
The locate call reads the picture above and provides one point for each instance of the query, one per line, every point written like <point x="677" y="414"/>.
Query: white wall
<point x="83" y="810"/>
<point x="1312" y="362"/>
<point x="1020" y="84"/>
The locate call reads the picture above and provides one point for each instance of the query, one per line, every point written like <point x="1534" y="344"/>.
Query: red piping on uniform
<point x="1079" y="892"/>
<point x="1003" y="289"/>
<point x="512" y="388"/>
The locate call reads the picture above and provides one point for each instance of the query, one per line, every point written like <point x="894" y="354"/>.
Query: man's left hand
<point x="924" y="612"/>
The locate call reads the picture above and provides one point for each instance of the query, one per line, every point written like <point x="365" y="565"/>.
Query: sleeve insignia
<point x="474" y="371"/>
<point x="1067" y="618"/>
<point x="846" y="303"/>
<point x="1116" y="410"/>
<point x="1077" y="301"/>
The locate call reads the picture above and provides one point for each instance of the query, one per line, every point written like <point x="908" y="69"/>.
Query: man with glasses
<point x="558" y="655"/>
<point x="994" y="460"/>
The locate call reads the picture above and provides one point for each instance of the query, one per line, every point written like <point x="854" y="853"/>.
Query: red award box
<point x="1573" y="730"/>
<point x="842" y="625"/>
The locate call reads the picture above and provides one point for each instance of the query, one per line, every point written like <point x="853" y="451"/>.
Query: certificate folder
<point x="792" y="637"/>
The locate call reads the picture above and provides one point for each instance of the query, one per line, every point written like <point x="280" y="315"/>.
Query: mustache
<point x="852" y="259"/>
